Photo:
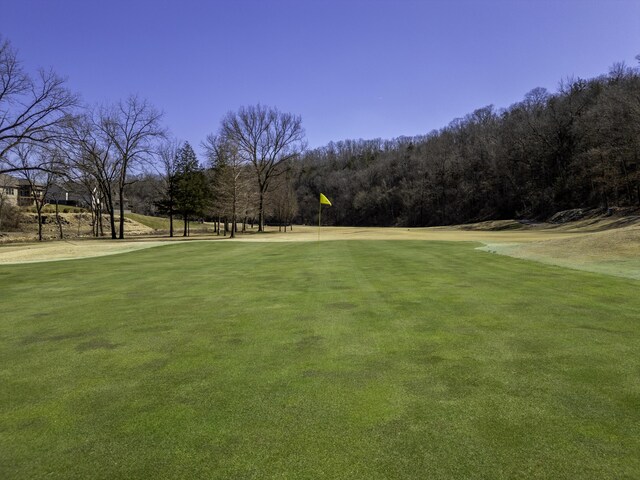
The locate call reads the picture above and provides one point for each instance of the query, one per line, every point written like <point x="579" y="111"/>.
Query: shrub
<point x="10" y="218"/>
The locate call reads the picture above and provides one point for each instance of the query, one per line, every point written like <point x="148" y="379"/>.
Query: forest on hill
<point x="577" y="147"/>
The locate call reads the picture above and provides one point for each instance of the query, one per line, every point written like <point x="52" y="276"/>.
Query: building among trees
<point x="18" y="192"/>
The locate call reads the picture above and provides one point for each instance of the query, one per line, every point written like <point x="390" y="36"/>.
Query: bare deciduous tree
<point x="38" y="180"/>
<point x="6" y="185"/>
<point x="32" y="110"/>
<point x="231" y="178"/>
<point x="284" y="202"/>
<point x="168" y="153"/>
<point x="96" y="167"/>
<point x="132" y="126"/>
<point x="266" y="139"/>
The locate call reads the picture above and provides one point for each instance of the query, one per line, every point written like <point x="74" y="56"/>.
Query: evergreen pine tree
<point x="192" y="189"/>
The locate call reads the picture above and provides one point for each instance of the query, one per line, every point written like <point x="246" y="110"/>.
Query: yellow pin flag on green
<point x="324" y="200"/>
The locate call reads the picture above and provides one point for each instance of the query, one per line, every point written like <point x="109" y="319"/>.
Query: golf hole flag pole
<point x="323" y="201"/>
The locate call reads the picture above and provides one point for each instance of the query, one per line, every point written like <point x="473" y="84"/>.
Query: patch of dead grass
<point x="609" y="245"/>
<point x="614" y="252"/>
<point x="66" y="250"/>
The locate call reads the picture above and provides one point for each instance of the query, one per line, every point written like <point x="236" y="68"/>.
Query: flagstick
<point x="319" y="220"/>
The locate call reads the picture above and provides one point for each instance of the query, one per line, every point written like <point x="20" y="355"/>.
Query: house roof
<point x="9" y="181"/>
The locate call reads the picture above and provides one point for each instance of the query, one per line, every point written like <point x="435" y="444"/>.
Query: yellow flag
<point x="324" y="200"/>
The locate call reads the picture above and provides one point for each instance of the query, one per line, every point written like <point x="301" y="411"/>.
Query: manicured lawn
<point x="304" y="360"/>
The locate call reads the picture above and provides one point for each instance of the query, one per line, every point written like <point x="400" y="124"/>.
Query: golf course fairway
<point x="343" y="360"/>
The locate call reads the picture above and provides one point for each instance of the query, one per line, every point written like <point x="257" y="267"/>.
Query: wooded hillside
<point x="577" y="147"/>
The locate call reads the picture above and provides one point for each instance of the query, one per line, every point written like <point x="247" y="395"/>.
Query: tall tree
<point x="93" y="163"/>
<point x="6" y="186"/>
<point x="169" y="158"/>
<point x="267" y="139"/>
<point x="231" y="179"/>
<point x="35" y="110"/>
<point x="284" y="202"/>
<point x="38" y="181"/>
<point x="192" y="189"/>
<point x="133" y="127"/>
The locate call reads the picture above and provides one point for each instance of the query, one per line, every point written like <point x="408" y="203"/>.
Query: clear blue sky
<point x="352" y="69"/>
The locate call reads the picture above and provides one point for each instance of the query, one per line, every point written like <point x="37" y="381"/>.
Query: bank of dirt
<point x="74" y="226"/>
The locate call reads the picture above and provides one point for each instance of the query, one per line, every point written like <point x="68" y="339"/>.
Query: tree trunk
<point x="171" y="223"/>
<point x="121" y="197"/>
<point x="233" y="213"/>
<point x="39" y="212"/>
<point x="186" y="222"/>
<point x="112" y="220"/>
<point x="637" y="178"/>
<point x="627" y="182"/>
<point x="261" y="212"/>
<point x="1" y="205"/>
<point x="58" y="220"/>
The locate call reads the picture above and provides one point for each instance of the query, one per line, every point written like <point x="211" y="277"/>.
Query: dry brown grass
<point x="606" y="245"/>
<point x="66" y="250"/>
<point x="610" y="245"/>
<point x="449" y="234"/>
<point x="614" y="252"/>
<point x="74" y="225"/>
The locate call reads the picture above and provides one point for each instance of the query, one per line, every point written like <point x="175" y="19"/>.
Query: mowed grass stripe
<point x="307" y="360"/>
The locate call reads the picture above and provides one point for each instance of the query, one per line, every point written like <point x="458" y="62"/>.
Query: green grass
<point x="303" y="360"/>
<point x="158" y="223"/>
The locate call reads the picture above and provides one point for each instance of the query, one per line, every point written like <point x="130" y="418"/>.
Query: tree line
<point x="577" y="147"/>
<point x="112" y="152"/>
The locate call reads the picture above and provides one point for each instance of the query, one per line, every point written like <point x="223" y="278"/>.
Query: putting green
<point x="358" y="359"/>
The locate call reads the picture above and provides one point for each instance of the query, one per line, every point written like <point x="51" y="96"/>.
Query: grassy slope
<point x="612" y="252"/>
<point x="162" y="223"/>
<point x="157" y="223"/>
<point x="334" y="360"/>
